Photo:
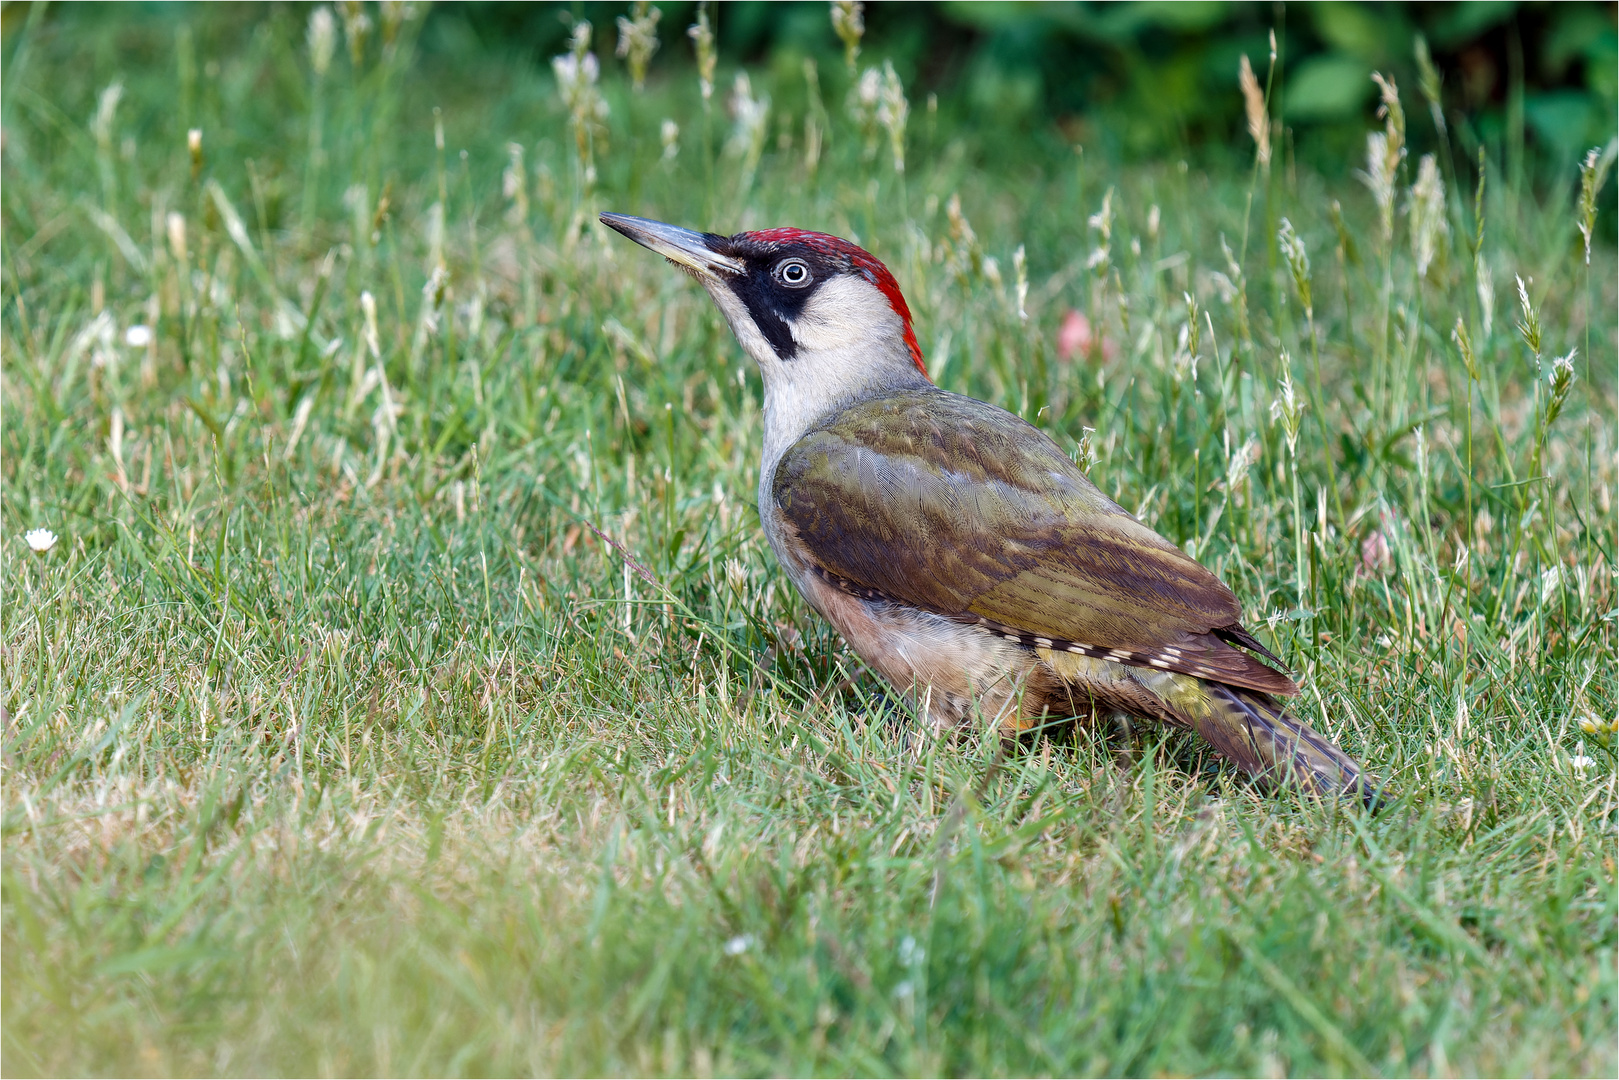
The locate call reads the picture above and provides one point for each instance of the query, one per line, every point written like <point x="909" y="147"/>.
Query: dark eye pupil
<point x="794" y="272"/>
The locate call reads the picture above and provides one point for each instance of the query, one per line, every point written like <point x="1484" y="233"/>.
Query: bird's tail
<point x="1256" y="732"/>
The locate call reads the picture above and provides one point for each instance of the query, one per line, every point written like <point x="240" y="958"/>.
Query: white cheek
<point x="843" y="312"/>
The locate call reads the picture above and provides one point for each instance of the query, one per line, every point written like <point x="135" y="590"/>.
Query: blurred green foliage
<point x="1147" y="79"/>
<point x="1534" y="84"/>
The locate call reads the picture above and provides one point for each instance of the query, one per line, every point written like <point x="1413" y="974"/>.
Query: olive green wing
<point x="957" y="507"/>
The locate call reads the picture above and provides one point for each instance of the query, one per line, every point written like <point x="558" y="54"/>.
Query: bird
<point x="955" y="547"/>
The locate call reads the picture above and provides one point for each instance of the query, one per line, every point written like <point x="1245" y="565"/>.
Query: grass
<point x="410" y="690"/>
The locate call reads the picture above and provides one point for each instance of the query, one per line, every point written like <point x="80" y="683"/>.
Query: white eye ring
<point x="793" y="273"/>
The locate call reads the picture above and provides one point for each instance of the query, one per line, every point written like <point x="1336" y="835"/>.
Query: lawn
<point x="409" y="688"/>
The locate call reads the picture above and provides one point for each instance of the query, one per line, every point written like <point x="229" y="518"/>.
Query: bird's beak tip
<point x="683" y="247"/>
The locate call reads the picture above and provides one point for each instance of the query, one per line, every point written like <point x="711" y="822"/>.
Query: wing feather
<point x="957" y="507"/>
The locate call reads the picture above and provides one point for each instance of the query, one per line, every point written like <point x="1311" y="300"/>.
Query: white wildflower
<point x="670" y="134"/>
<point x="738" y="945"/>
<point x="40" y="540"/>
<point x="138" y="336"/>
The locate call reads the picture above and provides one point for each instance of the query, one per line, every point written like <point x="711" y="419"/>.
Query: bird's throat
<point x="813" y="389"/>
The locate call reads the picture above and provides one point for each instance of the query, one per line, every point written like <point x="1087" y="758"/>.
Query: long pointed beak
<point x="689" y="250"/>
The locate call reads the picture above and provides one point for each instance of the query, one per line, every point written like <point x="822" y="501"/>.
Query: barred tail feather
<point x="1257" y="733"/>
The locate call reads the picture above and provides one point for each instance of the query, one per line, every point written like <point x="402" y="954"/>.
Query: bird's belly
<point x="952" y="672"/>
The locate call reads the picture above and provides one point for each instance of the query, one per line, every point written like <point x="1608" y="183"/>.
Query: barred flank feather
<point x="1257" y="733"/>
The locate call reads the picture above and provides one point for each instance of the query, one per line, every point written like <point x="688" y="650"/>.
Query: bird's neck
<point x="813" y="388"/>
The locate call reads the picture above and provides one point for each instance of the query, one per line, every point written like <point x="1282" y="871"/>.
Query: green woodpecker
<point x="956" y="548"/>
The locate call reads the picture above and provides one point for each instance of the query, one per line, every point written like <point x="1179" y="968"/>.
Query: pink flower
<point x="1374" y="553"/>
<point x="1076" y="338"/>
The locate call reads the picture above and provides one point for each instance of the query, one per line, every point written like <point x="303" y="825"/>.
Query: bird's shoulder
<point x="933" y="431"/>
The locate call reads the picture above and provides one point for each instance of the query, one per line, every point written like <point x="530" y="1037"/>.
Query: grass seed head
<point x="1429" y="82"/>
<point x="1529" y="325"/>
<point x="892" y="111"/>
<point x="368" y="308"/>
<point x="577" y="72"/>
<point x="514" y="184"/>
<point x="702" y="40"/>
<point x="1464" y="345"/>
<point x="1485" y="286"/>
<point x="1253" y="102"/>
<point x="849" y="23"/>
<point x="1102" y="222"/>
<point x="1385" y="151"/>
<point x="1287" y="406"/>
<point x="1427" y="202"/>
<point x="864" y="98"/>
<point x="322" y="40"/>
<point x="638" y="40"/>
<point x="176" y="227"/>
<point x="1593" y="174"/>
<point x="106" y="109"/>
<point x="1298" y="262"/>
<point x="356" y="29"/>
<point x="395" y="14"/>
<point x="750" y="122"/>
<point x="1561" y="378"/>
<point x="1020" y="267"/>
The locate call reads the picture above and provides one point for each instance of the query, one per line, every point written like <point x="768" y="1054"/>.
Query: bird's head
<point x="823" y="318"/>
